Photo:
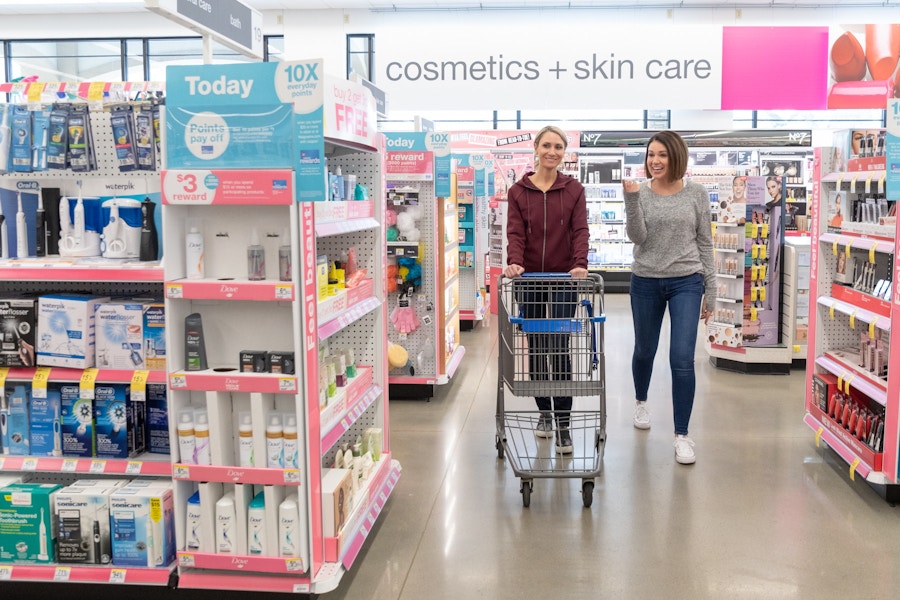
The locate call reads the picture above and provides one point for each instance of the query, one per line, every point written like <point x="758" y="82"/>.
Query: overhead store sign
<point x="690" y="67"/>
<point x="229" y="22"/>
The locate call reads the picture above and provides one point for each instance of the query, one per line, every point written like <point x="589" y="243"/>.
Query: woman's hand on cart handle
<point x="513" y="271"/>
<point x="578" y="273"/>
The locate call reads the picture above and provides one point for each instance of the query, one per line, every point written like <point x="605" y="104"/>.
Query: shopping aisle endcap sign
<point x="230" y="22"/>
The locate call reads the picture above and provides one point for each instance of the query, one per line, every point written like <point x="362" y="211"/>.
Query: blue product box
<point x="113" y="420"/>
<point x="66" y="331"/>
<point x="46" y="424"/>
<point x="155" y="335"/>
<point x="77" y="422"/>
<point x="157" y="419"/>
<point x="142" y="523"/>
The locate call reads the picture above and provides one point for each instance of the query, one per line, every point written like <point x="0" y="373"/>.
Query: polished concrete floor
<point x="763" y="514"/>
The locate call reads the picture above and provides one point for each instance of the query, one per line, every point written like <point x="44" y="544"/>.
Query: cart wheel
<point x="587" y="493"/>
<point x="526" y="493"/>
<point x="499" y="445"/>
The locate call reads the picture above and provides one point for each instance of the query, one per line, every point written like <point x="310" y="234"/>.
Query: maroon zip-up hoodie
<point x="547" y="232"/>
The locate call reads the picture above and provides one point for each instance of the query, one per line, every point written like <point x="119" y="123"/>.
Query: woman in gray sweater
<point x="668" y="219"/>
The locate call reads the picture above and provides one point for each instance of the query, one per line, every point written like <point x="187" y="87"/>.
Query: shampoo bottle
<point x="186" y="440"/>
<point x="225" y="524"/>
<point x="274" y="443"/>
<point x="194" y="344"/>
<point x="288" y="527"/>
<point x="201" y="439"/>
<point x="256" y="526"/>
<point x="192" y="523"/>
<point x="245" y="441"/>
<point x="291" y="446"/>
<point x="256" y="258"/>
<point x="193" y="254"/>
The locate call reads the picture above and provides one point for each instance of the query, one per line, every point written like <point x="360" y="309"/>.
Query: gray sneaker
<point x="563" y="442"/>
<point x="544" y="427"/>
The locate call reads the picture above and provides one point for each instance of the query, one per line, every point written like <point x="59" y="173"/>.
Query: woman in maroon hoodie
<point x="547" y="232"/>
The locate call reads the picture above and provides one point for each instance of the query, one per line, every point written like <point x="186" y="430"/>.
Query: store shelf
<point x="838" y="364"/>
<point x="855" y="312"/>
<point x="864" y="301"/>
<point x="233" y="381"/>
<point x="238" y="580"/>
<point x="347" y="317"/>
<point x="839" y="240"/>
<point x="86" y="574"/>
<point x="345" y="547"/>
<point x="231" y="474"/>
<point x="340" y="421"/>
<point x="334" y="307"/>
<point x="873" y="181"/>
<point x="835" y="437"/>
<point x="144" y="464"/>
<point x="232" y="289"/>
<point x="68" y="270"/>
<point x="101" y="375"/>
<point x="247" y="564"/>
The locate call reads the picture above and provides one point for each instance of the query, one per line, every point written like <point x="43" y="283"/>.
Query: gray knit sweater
<point x="672" y="234"/>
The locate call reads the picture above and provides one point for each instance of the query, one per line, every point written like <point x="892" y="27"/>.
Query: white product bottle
<point x="225" y="524"/>
<point x="291" y="446"/>
<point x="289" y="527"/>
<point x="274" y="443"/>
<point x="245" y="441"/>
<point x="186" y="441"/>
<point x="256" y="526"/>
<point x="193" y="254"/>
<point x="192" y="523"/>
<point x="201" y="439"/>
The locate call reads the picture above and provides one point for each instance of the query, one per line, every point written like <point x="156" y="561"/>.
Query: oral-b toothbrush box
<point x="113" y="417"/>
<point x="119" y="340"/>
<point x="46" y="424"/>
<point x="157" y="419"/>
<point x="18" y="423"/>
<point x="28" y="523"/>
<point x="66" y="330"/>
<point x="20" y="148"/>
<point x="83" y="515"/>
<point x="77" y="422"/>
<point x="154" y="335"/>
<point x="18" y="317"/>
<point x="138" y="419"/>
<point x="143" y="526"/>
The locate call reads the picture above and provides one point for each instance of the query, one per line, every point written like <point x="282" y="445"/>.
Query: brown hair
<point x="677" y="150"/>
<point x="551" y="129"/>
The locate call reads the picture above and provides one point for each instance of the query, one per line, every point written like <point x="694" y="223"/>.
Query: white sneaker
<point x="684" y="450"/>
<point x="641" y="415"/>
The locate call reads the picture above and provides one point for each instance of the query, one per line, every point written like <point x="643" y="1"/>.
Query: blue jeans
<point x="649" y="298"/>
<point x="548" y="356"/>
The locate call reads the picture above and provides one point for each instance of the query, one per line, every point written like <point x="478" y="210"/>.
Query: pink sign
<point x="409" y="166"/>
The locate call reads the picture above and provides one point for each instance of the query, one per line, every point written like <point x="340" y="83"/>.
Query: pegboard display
<point x="99" y="288"/>
<point x="421" y="344"/>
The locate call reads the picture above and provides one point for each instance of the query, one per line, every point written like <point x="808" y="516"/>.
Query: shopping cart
<point x="551" y="345"/>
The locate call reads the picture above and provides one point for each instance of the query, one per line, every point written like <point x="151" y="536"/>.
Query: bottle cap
<point x="186" y="417"/>
<point x="202" y="418"/>
<point x="194" y="230"/>
<point x="254" y="237"/>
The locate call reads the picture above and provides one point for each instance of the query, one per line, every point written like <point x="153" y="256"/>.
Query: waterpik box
<point x="66" y="330"/>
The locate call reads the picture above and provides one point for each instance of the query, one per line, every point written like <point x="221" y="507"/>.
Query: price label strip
<point x="39" y="382"/>
<point x="819" y="436"/>
<point x="87" y="383"/>
<point x="117" y="575"/>
<point x="139" y="385"/>
<point x="4" y="371"/>
<point x="853" y="467"/>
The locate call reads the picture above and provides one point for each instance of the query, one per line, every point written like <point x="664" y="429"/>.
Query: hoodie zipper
<point x="544" y="247"/>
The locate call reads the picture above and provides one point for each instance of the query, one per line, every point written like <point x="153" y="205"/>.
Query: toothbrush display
<point x="21" y="231"/>
<point x="4" y="141"/>
<point x="78" y="220"/>
<point x="4" y="251"/>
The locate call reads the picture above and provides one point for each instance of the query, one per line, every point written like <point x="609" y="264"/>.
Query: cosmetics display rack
<point x="431" y="345"/>
<point x="853" y="389"/>
<point x="795" y="297"/>
<point x="496" y="247"/>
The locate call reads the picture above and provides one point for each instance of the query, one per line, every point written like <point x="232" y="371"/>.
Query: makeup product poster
<point x="892" y="158"/>
<point x="764" y="233"/>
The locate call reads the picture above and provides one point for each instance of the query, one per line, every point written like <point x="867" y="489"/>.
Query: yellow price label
<point x="869" y="183"/>
<point x="853" y="318"/>
<point x="713" y="228"/>
<point x="762" y="294"/>
<point x="847" y="250"/>
<point x="831" y="312"/>
<point x="4" y="371"/>
<point x="754" y="251"/>
<point x="853" y="467"/>
<point x="871" y="253"/>
<point x="797" y="348"/>
<point x="753" y="313"/>
<point x="139" y="380"/>
<point x="819" y="436"/>
<point x="834" y="246"/>
<point x="39" y="382"/>
<point x="753" y="294"/>
<point x="762" y="252"/>
<point x="765" y="230"/>
<point x="754" y="231"/>
<point x="847" y="381"/>
<point x="95" y="91"/>
<point x="872" y="330"/>
<point x="840" y="381"/>
<point x="840" y="178"/>
<point x="88" y="379"/>
<point x="881" y="182"/>
<point x="35" y="90"/>
<point x="762" y="271"/>
<point x="754" y="273"/>
<point x="853" y="183"/>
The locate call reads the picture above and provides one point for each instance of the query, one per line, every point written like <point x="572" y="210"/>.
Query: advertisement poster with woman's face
<point x="762" y="261"/>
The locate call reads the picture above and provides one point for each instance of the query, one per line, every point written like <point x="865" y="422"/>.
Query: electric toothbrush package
<point x="18" y="321"/>
<point x="28" y="523"/>
<point x="66" y="330"/>
<point x="83" y="513"/>
<point x="142" y="521"/>
<point x="130" y="334"/>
